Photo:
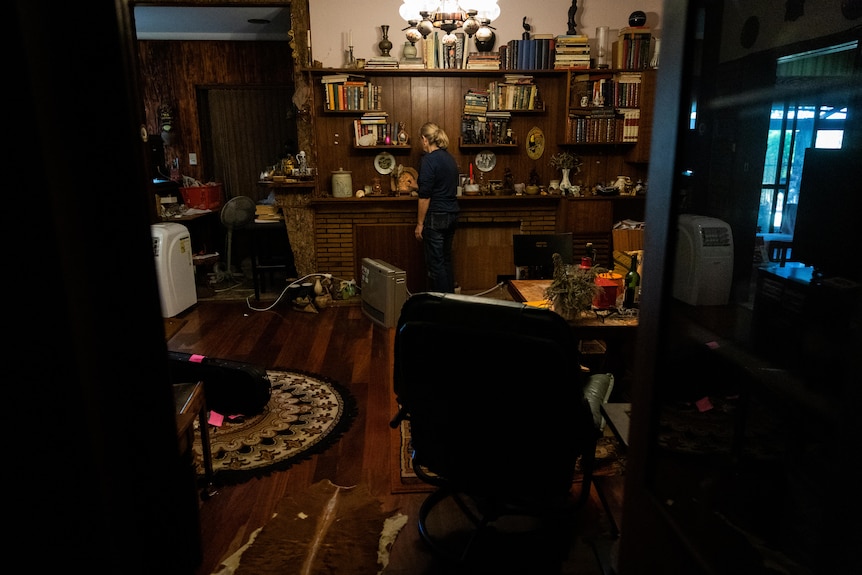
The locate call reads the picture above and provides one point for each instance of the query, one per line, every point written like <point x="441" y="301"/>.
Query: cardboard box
<point x="628" y="240"/>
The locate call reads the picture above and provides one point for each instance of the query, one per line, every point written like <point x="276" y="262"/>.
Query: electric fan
<point x="238" y="212"/>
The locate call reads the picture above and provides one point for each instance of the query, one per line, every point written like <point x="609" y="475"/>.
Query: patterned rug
<point x="305" y="415"/>
<point x="610" y="461"/>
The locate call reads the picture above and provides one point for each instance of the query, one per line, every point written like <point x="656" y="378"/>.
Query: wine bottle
<point x="588" y="261"/>
<point x="632" y="285"/>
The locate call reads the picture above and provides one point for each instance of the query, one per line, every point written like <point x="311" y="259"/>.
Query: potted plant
<point x="572" y="288"/>
<point x="566" y="162"/>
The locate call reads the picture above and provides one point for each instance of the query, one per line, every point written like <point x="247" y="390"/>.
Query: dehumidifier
<point x="172" y="248"/>
<point x="704" y="261"/>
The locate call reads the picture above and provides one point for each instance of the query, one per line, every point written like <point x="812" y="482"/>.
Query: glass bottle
<point x="632" y="284"/>
<point x="592" y="253"/>
<point x="588" y="260"/>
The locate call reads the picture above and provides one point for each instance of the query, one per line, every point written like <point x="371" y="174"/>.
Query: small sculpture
<point x="534" y="177"/>
<point x="508" y="180"/>
<point x="527" y="28"/>
<point x="302" y="163"/>
<point x="572" y="31"/>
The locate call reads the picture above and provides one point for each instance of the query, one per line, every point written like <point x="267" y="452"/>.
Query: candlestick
<point x="350" y="38"/>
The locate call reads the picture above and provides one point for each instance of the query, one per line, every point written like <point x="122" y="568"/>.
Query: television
<point x="383" y="291"/>
<point x="534" y="253"/>
<point x="827" y="232"/>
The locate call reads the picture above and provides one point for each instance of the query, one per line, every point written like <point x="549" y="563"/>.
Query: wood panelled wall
<point x="415" y="97"/>
<point x="172" y="71"/>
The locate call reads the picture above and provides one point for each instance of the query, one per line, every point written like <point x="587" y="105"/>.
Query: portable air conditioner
<point x="704" y="261"/>
<point x="172" y="248"/>
<point x="384" y="291"/>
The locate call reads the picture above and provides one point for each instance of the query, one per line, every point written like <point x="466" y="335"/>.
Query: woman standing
<point x="438" y="207"/>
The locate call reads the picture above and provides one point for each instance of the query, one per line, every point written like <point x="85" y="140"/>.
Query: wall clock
<point x="535" y="143"/>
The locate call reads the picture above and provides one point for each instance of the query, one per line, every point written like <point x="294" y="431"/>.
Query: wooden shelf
<point x="519" y="110"/>
<point x="390" y="147"/>
<point x="350" y="112"/>
<point x="432" y="72"/>
<point x="464" y="146"/>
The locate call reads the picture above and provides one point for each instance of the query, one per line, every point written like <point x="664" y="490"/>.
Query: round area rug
<point x="306" y="414"/>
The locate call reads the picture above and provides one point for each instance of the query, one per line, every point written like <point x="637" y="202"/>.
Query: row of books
<point x="440" y="56"/>
<point x="378" y="124"/>
<point x="619" y="90"/>
<point x="603" y="125"/>
<point x="590" y="129"/>
<point x="514" y="93"/>
<point x="350" y="92"/>
<point x="492" y="129"/>
<point x="535" y="53"/>
<point x="632" y="50"/>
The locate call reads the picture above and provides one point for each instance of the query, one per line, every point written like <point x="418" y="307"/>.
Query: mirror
<point x="750" y="425"/>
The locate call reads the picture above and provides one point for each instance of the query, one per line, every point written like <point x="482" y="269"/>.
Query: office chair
<point x="498" y="413"/>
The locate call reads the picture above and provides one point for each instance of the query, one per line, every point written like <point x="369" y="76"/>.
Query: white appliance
<point x="172" y="248"/>
<point x="384" y="291"/>
<point x="704" y="261"/>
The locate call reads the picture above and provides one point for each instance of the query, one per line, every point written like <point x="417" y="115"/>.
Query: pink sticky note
<point x="216" y="419"/>
<point x="197" y="358"/>
<point x="703" y="404"/>
<point x="712" y="345"/>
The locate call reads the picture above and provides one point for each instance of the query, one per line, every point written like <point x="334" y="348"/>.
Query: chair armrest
<point x="597" y="391"/>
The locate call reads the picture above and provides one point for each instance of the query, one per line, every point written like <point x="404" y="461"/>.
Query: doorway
<point x="243" y="131"/>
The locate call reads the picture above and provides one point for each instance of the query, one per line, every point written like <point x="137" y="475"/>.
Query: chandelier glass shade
<point x="424" y="16"/>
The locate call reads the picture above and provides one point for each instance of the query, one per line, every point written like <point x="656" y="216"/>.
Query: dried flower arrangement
<point x="572" y="288"/>
<point x="566" y="161"/>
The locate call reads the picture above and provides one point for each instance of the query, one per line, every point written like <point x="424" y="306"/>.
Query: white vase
<point x="565" y="184"/>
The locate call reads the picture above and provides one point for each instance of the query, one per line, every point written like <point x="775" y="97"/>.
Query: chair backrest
<point x="493" y="392"/>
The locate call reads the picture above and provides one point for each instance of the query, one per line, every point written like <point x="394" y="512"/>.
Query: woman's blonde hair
<point x="435" y="135"/>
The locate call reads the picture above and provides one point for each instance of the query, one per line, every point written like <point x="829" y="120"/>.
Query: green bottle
<point x="632" y="285"/>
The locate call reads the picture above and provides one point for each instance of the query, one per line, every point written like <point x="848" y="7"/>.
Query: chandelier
<point x="472" y="16"/>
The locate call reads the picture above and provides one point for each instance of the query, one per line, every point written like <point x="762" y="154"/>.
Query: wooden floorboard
<point x="339" y="343"/>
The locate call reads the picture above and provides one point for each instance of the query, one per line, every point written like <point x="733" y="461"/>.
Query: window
<point x="798" y="124"/>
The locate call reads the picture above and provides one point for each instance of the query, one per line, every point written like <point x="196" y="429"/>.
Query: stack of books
<point x="632" y="50"/>
<point x="474" y="120"/>
<point x="572" y="51"/>
<point x="382" y="63"/>
<point x="416" y="63"/>
<point x="483" y="61"/>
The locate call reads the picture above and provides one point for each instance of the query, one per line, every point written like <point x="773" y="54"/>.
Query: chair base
<point x="469" y="533"/>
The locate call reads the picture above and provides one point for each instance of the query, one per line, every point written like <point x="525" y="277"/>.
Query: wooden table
<point x="616" y="330"/>
<point x="598" y="322"/>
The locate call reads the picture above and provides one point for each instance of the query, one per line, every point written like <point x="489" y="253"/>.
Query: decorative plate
<point x="535" y="143"/>
<point x="486" y="160"/>
<point x="384" y="163"/>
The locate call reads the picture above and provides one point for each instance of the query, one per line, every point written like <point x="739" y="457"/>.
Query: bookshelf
<point x="609" y="107"/>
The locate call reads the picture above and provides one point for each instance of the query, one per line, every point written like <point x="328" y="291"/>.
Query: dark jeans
<point x="437" y="235"/>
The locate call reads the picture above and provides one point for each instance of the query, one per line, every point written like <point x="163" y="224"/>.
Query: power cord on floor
<point x="291" y="284"/>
